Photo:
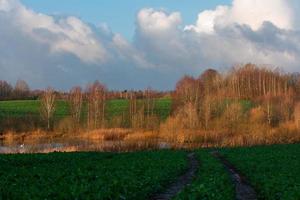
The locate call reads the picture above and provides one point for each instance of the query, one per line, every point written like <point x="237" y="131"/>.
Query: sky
<point x="135" y="44"/>
<point x="120" y="15"/>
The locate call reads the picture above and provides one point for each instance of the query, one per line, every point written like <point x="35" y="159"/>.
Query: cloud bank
<point x="65" y="51"/>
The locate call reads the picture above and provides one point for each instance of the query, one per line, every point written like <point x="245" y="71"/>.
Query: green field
<point x="19" y="115"/>
<point x="211" y="182"/>
<point x="113" y="108"/>
<point x="23" y="108"/>
<point x="274" y="171"/>
<point x="88" y="175"/>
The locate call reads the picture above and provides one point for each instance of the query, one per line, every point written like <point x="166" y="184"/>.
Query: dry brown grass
<point x="116" y="140"/>
<point x="28" y="138"/>
<point x="9" y="138"/>
<point x="244" y="133"/>
<point x="114" y="134"/>
<point x="142" y="136"/>
<point x="171" y="135"/>
<point x="36" y="137"/>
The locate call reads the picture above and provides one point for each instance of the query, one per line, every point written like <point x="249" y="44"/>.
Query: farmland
<point x="274" y="171"/>
<point x="20" y="109"/>
<point x="88" y="175"/>
<point x="19" y="115"/>
<point x="211" y="182"/>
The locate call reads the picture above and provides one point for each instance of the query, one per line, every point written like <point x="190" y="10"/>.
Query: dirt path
<point x="181" y="182"/>
<point x="242" y="187"/>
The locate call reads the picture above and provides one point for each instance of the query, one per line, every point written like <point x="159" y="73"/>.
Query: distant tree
<point x="149" y="104"/>
<point x="133" y="110"/>
<point x="297" y="115"/>
<point x="297" y="86"/>
<point x="21" y="89"/>
<point x="251" y="82"/>
<point x="5" y="90"/>
<point x="210" y="79"/>
<point x="188" y="90"/>
<point x="96" y="97"/>
<point x="233" y="116"/>
<point x="48" y="105"/>
<point x="75" y="101"/>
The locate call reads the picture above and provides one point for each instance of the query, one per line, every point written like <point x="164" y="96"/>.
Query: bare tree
<point x="48" y="105"/>
<point x="75" y="100"/>
<point x="5" y="90"/>
<point x="187" y="91"/>
<point x="297" y="115"/>
<point x="21" y="89"/>
<point x="133" y="109"/>
<point x="96" y="97"/>
<point x="210" y="80"/>
<point x="149" y="104"/>
<point x="206" y="110"/>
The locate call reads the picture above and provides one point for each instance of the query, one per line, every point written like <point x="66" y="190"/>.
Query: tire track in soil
<point x="243" y="189"/>
<point x="181" y="182"/>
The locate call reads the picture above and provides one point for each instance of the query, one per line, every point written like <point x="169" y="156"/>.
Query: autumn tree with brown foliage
<point x="216" y="101"/>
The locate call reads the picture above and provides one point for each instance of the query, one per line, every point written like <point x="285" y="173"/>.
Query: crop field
<point x="23" y="108"/>
<point x="19" y="109"/>
<point x="211" y="182"/>
<point x="274" y="171"/>
<point x="19" y="115"/>
<point x="88" y="175"/>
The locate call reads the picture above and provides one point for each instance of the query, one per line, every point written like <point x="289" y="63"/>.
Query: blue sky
<point x="120" y="14"/>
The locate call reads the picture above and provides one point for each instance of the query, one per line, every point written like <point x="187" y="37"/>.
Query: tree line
<point x="88" y="107"/>
<point x="248" y="100"/>
<point x="21" y="90"/>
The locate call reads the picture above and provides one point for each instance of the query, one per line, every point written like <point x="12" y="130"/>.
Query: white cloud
<point x="221" y="37"/>
<point x="151" y="21"/>
<point x="207" y="20"/>
<point x="252" y="13"/>
<point x="67" y="34"/>
<point x="255" y="12"/>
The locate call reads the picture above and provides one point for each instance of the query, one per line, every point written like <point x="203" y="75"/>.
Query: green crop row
<point x="274" y="171"/>
<point x="88" y="175"/>
<point x="212" y="181"/>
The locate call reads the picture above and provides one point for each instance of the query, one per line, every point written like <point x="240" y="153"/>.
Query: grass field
<point x="274" y="171"/>
<point x="19" y="115"/>
<point x="23" y="108"/>
<point x="113" y="108"/>
<point x="88" y="175"/>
